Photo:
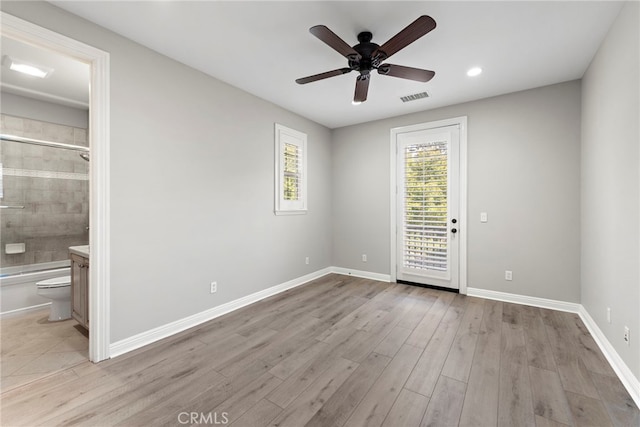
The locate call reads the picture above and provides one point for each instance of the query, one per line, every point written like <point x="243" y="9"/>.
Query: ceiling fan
<point x="367" y="56"/>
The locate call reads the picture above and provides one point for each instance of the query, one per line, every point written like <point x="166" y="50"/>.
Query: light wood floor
<point x="346" y="351"/>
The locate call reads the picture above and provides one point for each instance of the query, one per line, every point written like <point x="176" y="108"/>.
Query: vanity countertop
<point x="83" y="250"/>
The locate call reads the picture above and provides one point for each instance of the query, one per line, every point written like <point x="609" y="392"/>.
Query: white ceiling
<point x="68" y="84"/>
<point x="262" y="47"/>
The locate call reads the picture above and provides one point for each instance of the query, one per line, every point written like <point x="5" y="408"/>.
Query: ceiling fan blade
<point x="411" y="33"/>
<point x="362" y="87"/>
<point x="334" y="42"/>
<point x="325" y="75"/>
<point x="403" y="72"/>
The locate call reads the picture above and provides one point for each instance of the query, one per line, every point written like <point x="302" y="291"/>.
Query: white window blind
<point x="425" y="206"/>
<point x="291" y="171"/>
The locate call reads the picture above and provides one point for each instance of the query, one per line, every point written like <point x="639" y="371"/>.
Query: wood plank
<point x="546" y="422"/>
<point x="417" y="305"/>
<point x="248" y="396"/>
<point x="573" y="373"/>
<point x="481" y="401"/>
<point x="538" y="346"/>
<point x="302" y="378"/>
<point x="549" y="399"/>
<point x="445" y="404"/>
<point x="260" y="415"/>
<point x="339" y="407"/>
<point x="515" y="407"/>
<point x="424" y="331"/>
<point x="425" y="375"/>
<point x="407" y="411"/>
<point x="295" y="361"/>
<point x="390" y="345"/>
<point x="587" y="411"/>
<point x="374" y="407"/>
<point x="620" y="406"/>
<point x="200" y="396"/>
<point x="589" y="351"/>
<point x="303" y="408"/>
<point x="460" y="358"/>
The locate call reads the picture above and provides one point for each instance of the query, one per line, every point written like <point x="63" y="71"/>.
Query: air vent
<point x="414" y="97"/>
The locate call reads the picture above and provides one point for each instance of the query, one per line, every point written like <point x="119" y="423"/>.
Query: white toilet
<point x="58" y="290"/>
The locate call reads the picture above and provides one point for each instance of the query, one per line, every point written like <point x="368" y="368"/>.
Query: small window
<point x="291" y="171"/>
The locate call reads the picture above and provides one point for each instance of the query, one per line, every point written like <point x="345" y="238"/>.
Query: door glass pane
<point x="425" y="196"/>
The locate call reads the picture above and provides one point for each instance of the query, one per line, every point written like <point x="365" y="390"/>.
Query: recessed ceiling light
<point x="26" y="68"/>
<point x="475" y="71"/>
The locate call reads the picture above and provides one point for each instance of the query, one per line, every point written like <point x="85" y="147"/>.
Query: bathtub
<point x="18" y="285"/>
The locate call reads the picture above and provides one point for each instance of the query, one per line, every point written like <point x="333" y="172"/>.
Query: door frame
<point x="393" y="188"/>
<point x="99" y="142"/>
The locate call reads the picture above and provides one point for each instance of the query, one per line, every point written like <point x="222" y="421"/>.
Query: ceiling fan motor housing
<point x="366" y="49"/>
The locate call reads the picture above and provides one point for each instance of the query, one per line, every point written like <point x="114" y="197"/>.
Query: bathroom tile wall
<point x="51" y="183"/>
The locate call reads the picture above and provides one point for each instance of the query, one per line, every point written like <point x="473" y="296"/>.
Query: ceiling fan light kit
<point x="367" y="56"/>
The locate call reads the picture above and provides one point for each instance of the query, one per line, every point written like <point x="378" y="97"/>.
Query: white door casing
<point x="99" y="215"/>
<point x="428" y="204"/>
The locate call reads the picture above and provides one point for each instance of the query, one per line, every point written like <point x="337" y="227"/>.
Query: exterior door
<point x="428" y="188"/>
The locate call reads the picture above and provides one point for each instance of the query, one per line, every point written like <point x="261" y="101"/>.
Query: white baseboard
<point x="363" y="274"/>
<point x="552" y="304"/>
<point x="629" y="381"/>
<point x="145" y="338"/>
<point x="23" y="310"/>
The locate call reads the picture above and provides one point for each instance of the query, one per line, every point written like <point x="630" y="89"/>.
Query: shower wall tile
<point x="54" y="193"/>
<point x="80" y="137"/>
<point x="10" y="123"/>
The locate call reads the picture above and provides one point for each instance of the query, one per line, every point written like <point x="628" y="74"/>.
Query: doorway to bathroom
<point x="76" y="187"/>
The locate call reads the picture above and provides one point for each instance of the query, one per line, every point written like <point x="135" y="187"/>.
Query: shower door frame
<point x="99" y="192"/>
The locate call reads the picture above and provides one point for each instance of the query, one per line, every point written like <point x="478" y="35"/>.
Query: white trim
<point x="552" y="304"/>
<point x="462" y="234"/>
<point x="23" y="310"/>
<point x="284" y="135"/>
<point x="99" y="215"/>
<point x="155" y="334"/>
<point x="629" y="381"/>
<point x="359" y="273"/>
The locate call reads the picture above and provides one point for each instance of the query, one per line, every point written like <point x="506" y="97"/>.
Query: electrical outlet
<point x="626" y="335"/>
<point x="214" y="287"/>
<point x="608" y="314"/>
<point x="508" y="275"/>
<point x="364" y="257"/>
<point x="306" y="260"/>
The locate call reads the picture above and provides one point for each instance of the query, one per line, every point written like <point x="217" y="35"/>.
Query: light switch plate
<point x="483" y="217"/>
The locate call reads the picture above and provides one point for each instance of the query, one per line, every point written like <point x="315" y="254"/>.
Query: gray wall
<point x="523" y="170"/>
<point x="192" y="197"/>
<point x="20" y="106"/>
<point x="611" y="186"/>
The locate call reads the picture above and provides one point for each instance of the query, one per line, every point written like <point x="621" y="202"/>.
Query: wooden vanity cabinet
<point x="80" y="289"/>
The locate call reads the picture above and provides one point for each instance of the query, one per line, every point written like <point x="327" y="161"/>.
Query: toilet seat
<point x="56" y="282"/>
